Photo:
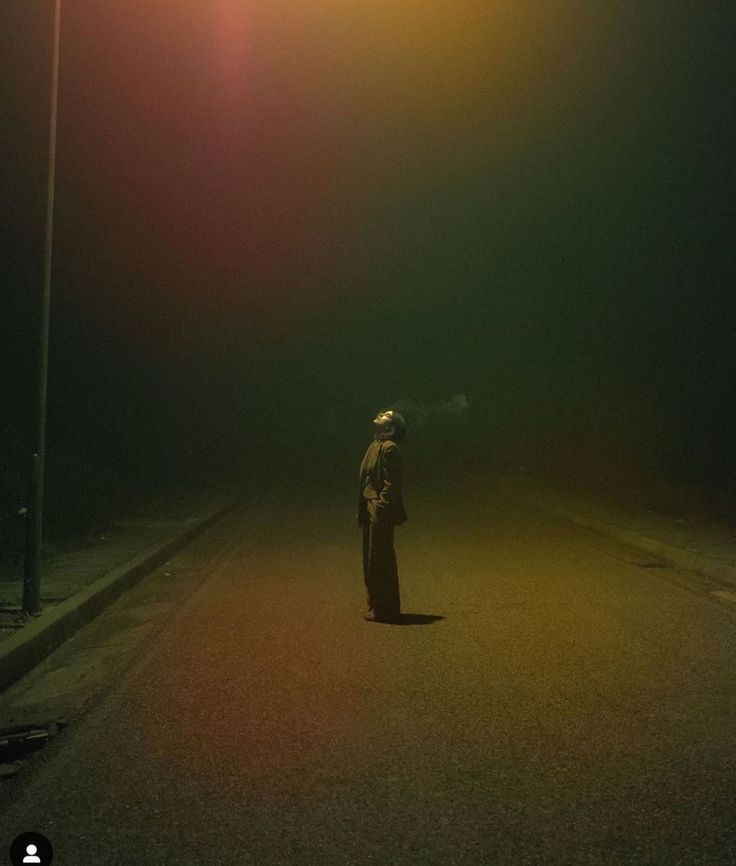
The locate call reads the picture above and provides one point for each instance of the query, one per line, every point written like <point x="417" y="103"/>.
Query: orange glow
<point x="230" y="47"/>
<point x="239" y="145"/>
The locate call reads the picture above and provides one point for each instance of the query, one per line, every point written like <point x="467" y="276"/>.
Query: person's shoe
<point x="369" y="616"/>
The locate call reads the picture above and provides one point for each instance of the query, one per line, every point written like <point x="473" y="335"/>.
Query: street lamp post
<point x="34" y="537"/>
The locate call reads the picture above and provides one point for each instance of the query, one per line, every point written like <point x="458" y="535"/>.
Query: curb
<point x="670" y="553"/>
<point x="23" y="651"/>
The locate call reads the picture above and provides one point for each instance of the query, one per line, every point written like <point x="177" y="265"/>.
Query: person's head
<point x="389" y="424"/>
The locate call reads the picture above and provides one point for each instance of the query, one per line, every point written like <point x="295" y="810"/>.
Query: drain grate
<point x="654" y="563"/>
<point x="725" y="595"/>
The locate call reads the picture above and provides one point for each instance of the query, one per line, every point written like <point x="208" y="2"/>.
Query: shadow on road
<point x="415" y="619"/>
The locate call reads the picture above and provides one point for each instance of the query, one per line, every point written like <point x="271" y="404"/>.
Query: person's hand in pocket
<point x="373" y="510"/>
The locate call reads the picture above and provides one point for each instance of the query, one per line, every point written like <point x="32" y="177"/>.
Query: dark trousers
<point x="379" y="570"/>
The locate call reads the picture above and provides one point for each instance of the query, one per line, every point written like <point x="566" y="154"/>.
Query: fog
<point x="512" y="221"/>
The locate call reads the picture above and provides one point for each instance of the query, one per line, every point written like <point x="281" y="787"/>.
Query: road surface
<point x="556" y="699"/>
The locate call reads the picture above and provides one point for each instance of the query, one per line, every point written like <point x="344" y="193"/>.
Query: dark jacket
<point x="380" y="496"/>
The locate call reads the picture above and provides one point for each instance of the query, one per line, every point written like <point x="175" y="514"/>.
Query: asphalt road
<point x="571" y="706"/>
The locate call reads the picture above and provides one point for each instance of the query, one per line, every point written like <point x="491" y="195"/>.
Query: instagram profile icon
<point x="31" y="849"/>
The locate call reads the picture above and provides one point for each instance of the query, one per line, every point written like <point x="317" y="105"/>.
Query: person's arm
<point x="390" y="493"/>
<point x="362" y="513"/>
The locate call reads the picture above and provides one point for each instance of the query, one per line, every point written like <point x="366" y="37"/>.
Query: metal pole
<point x="34" y="538"/>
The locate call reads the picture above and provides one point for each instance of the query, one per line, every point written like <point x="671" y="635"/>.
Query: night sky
<point x="274" y="218"/>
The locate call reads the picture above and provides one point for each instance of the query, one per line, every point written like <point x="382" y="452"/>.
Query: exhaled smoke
<point x="417" y="412"/>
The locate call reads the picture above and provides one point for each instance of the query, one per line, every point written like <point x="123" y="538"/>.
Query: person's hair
<point x="399" y="425"/>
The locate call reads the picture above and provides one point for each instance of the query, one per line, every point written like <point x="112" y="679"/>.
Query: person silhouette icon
<point x="30" y="849"/>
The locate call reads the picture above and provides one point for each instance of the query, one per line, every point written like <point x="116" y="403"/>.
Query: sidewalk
<point x="706" y="548"/>
<point x="77" y="585"/>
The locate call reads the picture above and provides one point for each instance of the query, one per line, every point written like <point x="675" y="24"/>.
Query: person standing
<point x="380" y="509"/>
